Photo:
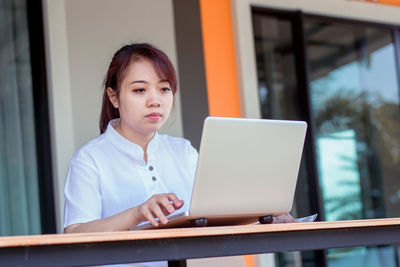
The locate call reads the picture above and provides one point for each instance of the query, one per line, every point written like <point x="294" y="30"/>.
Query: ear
<point x="112" y="95"/>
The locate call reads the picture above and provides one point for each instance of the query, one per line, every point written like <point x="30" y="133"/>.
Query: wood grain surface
<point x="55" y="239"/>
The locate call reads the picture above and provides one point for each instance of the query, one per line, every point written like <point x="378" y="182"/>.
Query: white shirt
<point x="108" y="175"/>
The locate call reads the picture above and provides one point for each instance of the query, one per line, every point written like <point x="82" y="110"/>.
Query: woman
<point x="130" y="173"/>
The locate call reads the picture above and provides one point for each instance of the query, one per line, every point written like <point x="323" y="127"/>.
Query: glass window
<point x="279" y="99"/>
<point x="277" y="81"/>
<point x="355" y="106"/>
<point x="353" y="95"/>
<point x="355" y="113"/>
<point x="19" y="192"/>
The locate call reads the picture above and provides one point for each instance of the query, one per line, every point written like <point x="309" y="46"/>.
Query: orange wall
<point x="220" y="64"/>
<point x="385" y="2"/>
<point x="390" y="2"/>
<point x="219" y="57"/>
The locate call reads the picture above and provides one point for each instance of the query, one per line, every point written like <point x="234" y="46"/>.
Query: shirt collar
<point x="127" y="146"/>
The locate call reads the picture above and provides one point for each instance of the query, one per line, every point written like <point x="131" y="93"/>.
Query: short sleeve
<point x="83" y="201"/>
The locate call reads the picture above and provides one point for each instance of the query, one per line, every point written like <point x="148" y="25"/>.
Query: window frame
<point x="297" y="18"/>
<point x="41" y="116"/>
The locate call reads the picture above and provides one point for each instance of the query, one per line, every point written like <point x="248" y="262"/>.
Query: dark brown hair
<point x="118" y="68"/>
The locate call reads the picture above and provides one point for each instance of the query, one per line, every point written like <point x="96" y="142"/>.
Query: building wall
<point x="81" y="38"/>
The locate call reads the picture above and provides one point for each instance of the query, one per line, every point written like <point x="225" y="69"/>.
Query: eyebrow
<point x="141" y="81"/>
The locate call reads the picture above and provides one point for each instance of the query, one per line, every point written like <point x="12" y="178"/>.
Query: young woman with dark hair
<point x="131" y="173"/>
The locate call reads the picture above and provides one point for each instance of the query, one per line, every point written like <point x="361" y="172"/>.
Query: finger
<point x="292" y="219"/>
<point x="176" y="202"/>
<point x="179" y="204"/>
<point x="156" y="210"/>
<point x="166" y="205"/>
<point x="288" y="218"/>
<point x="166" y="212"/>
<point x="149" y="216"/>
<point x="277" y="219"/>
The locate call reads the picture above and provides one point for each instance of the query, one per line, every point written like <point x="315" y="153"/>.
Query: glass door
<point x="354" y="93"/>
<point x="343" y="78"/>
<point x="26" y="193"/>
<point x="281" y="97"/>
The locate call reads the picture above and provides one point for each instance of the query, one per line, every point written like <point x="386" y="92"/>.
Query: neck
<point x="140" y="139"/>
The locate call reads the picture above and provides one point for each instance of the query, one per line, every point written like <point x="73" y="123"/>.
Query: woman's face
<point x="145" y="100"/>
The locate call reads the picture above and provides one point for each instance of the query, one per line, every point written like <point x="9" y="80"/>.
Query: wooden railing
<point x="186" y="243"/>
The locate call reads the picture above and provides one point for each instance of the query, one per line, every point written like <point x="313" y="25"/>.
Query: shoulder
<point x="168" y="139"/>
<point x="89" y="151"/>
<point x="181" y="150"/>
<point x="178" y="144"/>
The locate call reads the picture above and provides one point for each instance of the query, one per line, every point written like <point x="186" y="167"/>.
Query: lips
<point x="154" y="116"/>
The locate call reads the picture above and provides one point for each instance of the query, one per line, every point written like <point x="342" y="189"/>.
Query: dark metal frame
<point x="296" y="18"/>
<point x="182" y="248"/>
<point x="396" y="38"/>
<point x="314" y="195"/>
<point x="41" y="115"/>
<point x="302" y="74"/>
<point x="395" y="35"/>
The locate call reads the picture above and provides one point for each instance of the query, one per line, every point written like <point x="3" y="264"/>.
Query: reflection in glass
<point x="279" y="94"/>
<point x="277" y="83"/>
<point x="363" y="256"/>
<point x="19" y="190"/>
<point x="355" y="109"/>
<point x="354" y="99"/>
<point x="338" y="172"/>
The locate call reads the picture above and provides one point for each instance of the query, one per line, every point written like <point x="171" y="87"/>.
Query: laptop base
<point x="266" y="219"/>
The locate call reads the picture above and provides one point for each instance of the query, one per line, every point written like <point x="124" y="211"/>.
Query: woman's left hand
<point x="285" y="218"/>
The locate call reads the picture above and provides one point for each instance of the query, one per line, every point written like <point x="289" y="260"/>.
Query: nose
<point x="153" y="100"/>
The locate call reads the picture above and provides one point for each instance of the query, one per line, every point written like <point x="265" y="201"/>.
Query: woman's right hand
<point x="159" y="206"/>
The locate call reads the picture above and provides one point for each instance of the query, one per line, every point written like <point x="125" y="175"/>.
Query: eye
<point x="140" y="90"/>
<point x="165" y="89"/>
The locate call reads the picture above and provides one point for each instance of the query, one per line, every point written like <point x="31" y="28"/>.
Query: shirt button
<point x="154" y="178"/>
<point x="151" y="168"/>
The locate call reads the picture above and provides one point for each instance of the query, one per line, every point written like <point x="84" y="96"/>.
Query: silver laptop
<point x="247" y="168"/>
